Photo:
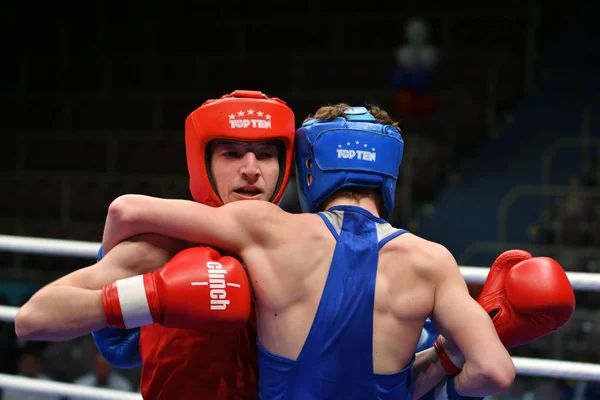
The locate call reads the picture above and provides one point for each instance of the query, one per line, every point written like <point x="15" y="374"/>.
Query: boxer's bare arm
<point x="428" y="372"/>
<point x="233" y="227"/>
<point x="488" y="368"/>
<point x="71" y="306"/>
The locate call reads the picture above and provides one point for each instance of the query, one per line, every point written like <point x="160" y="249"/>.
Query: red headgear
<point x="243" y="115"/>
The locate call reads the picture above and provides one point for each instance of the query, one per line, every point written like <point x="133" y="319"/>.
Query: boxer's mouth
<point x="248" y="191"/>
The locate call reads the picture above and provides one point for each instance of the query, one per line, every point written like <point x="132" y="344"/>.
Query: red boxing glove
<point x="526" y="297"/>
<point x="196" y="289"/>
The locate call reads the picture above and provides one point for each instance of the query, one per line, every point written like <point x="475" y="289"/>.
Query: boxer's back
<point x="345" y="312"/>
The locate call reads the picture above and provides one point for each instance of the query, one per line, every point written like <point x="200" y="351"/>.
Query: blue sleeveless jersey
<point x="336" y="361"/>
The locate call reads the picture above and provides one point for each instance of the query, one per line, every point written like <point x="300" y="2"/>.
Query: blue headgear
<point x="357" y="151"/>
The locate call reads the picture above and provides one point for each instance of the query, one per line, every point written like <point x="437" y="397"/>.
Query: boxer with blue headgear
<point x="352" y="151"/>
<point x="368" y="157"/>
<point x="341" y="295"/>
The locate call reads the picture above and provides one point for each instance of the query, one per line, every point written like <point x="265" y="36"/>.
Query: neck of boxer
<point x="366" y="198"/>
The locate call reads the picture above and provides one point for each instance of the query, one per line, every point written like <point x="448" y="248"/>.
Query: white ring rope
<point x="74" y="248"/>
<point x="557" y="369"/>
<point x="58" y="247"/>
<point x="8" y="314"/>
<point x="524" y="366"/>
<point x="33" y="385"/>
<point x="579" y="280"/>
<point x="51" y="247"/>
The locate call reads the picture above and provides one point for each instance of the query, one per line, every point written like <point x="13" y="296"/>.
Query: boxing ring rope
<point x="57" y="247"/>
<point x="74" y="248"/>
<point x="51" y="247"/>
<point x="33" y="385"/>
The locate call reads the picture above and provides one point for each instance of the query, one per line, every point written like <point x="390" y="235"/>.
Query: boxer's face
<point x="245" y="171"/>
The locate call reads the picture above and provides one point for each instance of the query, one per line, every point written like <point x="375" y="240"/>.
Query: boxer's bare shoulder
<point x="270" y="225"/>
<point x="426" y="258"/>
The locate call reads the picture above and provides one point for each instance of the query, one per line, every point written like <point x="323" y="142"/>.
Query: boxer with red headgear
<point x="243" y="116"/>
<point x="238" y="147"/>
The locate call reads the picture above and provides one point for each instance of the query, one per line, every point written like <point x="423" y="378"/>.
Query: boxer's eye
<point x="231" y="154"/>
<point x="266" y="155"/>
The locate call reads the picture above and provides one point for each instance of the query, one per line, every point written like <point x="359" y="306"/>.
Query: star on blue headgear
<point x="357" y="151"/>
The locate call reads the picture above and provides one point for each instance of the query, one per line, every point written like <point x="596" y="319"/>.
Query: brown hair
<point x="337" y="110"/>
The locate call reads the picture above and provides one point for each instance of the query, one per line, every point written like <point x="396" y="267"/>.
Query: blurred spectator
<point x="103" y="375"/>
<point x="29" y="365"/>
<point x="577" y="217"/>
<point x="412" y="79"/>
<point x="554" y="389"/>
<point x="469" y="130"/>
<point x="69" y="359"/>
